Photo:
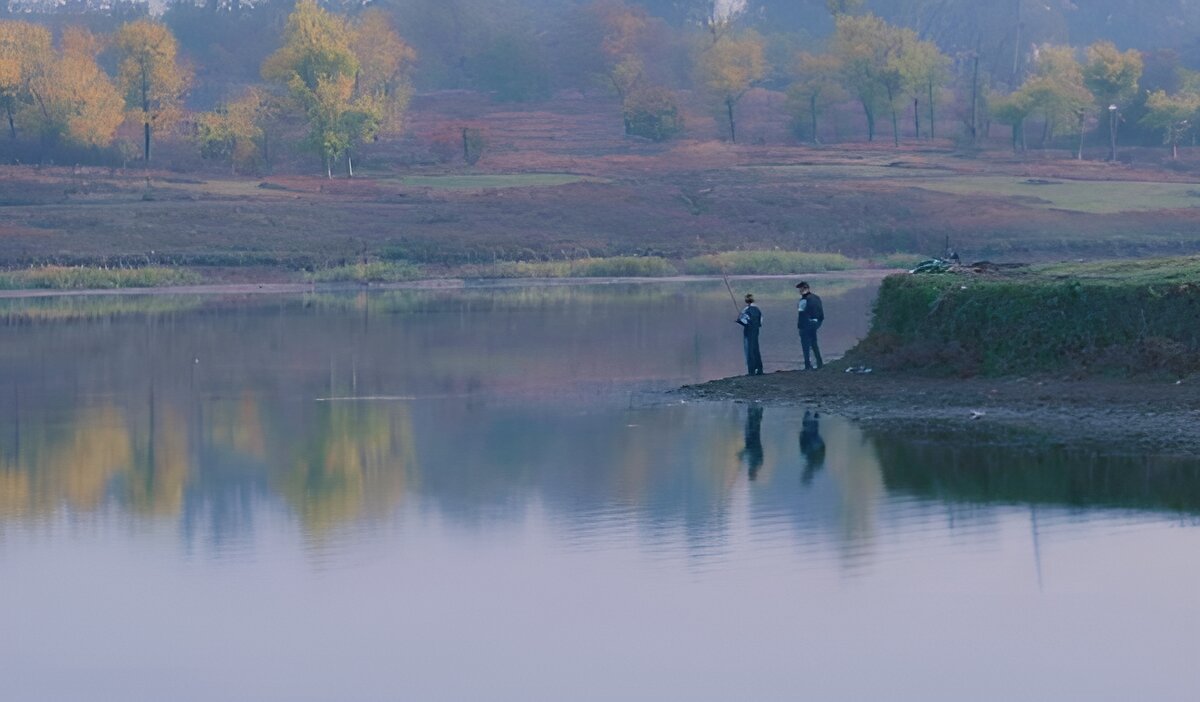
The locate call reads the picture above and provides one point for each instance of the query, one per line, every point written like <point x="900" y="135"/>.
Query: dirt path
<point x="1124" y="416"/>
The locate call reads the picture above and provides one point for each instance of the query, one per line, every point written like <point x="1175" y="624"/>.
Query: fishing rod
<point x="729" y="287"/>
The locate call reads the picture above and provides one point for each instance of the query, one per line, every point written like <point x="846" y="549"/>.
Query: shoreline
<point x="865" y="274"/>
<point x="1110" y="414"/>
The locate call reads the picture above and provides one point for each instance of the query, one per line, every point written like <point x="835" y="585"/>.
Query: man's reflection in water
<point x="812" y="446"/>
<point x="752" y="454"/>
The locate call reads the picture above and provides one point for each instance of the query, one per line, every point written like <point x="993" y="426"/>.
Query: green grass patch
<point x="767" y="263"/>
<point x="1103" y="318"/>
<point x="1144" y="271"/>
<point x="1096" y="197"/>
<point x="907" y="261"/>
<point x="612" y="267"/>
<point x="373" y="272"/>
<point x="89" y="278"/>
<point x="482" y="181"/>
<point x="851" y="171"/>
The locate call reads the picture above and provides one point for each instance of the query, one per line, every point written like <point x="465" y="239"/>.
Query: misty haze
<point x="599" y="350"/>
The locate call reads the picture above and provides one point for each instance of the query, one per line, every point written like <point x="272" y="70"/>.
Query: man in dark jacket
<point x="808" y="321"/>
<point x="751" y="321"/>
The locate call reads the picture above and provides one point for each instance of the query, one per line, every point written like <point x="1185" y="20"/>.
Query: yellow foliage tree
<point x="317" y="67"/>
<point x="23" y="47"/>
<point x="150" y="76"/>
<point x="237" y="131"/>
<point x="70" y="97"/>
<point x="730" y="67"/>
<point x="384" y="61"/>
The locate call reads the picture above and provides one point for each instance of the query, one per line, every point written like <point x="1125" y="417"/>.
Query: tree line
<point x="244" y="80"/>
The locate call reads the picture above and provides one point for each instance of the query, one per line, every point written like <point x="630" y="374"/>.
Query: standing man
<point x="808" y="321"/>
<point x="751" y="321"/>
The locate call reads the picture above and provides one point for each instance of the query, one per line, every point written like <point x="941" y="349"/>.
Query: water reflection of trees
<point x="339" y="463"/>
<point x="355" y="461"/>
<point x="969" y="471"/>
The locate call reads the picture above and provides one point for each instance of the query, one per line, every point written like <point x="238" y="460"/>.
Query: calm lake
<point x="487" y="494"/>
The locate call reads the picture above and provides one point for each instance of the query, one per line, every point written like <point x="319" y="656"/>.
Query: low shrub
<point x="373" y="272"/>
<point x="767" y="263"/>
<point x="652" y="113"/>
<point x="91" y="278"/>
<point x="1021" y="323"/>
<point x="613" y="267"/>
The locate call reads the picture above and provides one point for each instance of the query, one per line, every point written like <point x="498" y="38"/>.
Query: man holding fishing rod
<point x="751" y="320"/>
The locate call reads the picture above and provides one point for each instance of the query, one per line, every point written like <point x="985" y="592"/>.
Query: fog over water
<point x="337" y="497"/>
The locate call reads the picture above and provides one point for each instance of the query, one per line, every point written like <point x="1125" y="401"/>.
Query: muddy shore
<point x="1115" y="415"/>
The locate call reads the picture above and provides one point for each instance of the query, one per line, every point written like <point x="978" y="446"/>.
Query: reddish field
<point x="675" y="200"/>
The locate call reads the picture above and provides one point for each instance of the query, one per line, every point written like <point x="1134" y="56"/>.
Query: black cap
<point x="802" y="284"/>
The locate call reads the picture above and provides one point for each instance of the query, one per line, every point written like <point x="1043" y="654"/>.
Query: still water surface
<point x="484" y="495"/>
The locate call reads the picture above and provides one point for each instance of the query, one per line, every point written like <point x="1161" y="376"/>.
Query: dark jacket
<point x="811" y="312"/>
<point x="755" y="323"/>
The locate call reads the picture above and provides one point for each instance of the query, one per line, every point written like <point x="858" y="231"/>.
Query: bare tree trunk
<point x="812" y="109"/>
<point x="1174" y="150"/>
<point x="1079" y="151"/>
<point x="895" y="121"/>
<point x="12" y="127"/>
<point x="146" y="116"/>
<point x="1112" y="134"/>
<point x="931" y="123"/>
<point x="917" y="117"/>
<point x="732" y="127"/>
<point x="349" y="164"/>
<point x="870" y="121"/>
<point x="329" y="166"/>
<point x="975" y="99"/>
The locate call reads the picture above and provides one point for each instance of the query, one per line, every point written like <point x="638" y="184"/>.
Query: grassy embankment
<point x="91" y="278"/>
<point x="730" y="263"/>
<point x="1115" y="317"/>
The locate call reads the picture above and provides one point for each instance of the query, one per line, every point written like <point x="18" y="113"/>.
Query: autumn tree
<point x="1112" y="77"/>
<point x="1056" y="89"/>
<point x="871" y="55"/>
<point x="23" y="46"/>
<point x="1174" y="115"/>
<point x="925" y="69"/>
<point x="237" y="132"/>
<point x="384" y="63"/>
<point x="1012" y="109"/>
<point x="729" y="68"/>
<point x="816" y="86"/>
<point x="150" y="76"/>
<point x="317" y="67"/>
<point x="70" y="98"/>
<point x="623" y="30"/>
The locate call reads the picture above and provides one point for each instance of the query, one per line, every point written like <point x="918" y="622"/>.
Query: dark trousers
<point x="754" y="364"/>
<point x="808" y="341"/>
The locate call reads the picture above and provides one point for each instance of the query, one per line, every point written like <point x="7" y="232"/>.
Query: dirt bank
<point x="1117" y="416"/>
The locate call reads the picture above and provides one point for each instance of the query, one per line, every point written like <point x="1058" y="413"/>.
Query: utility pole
<point x="1113" y="113"/>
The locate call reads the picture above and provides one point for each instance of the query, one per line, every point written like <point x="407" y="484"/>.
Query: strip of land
<point x="1105" y="353"/>
<point x="1114" y="415"/>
